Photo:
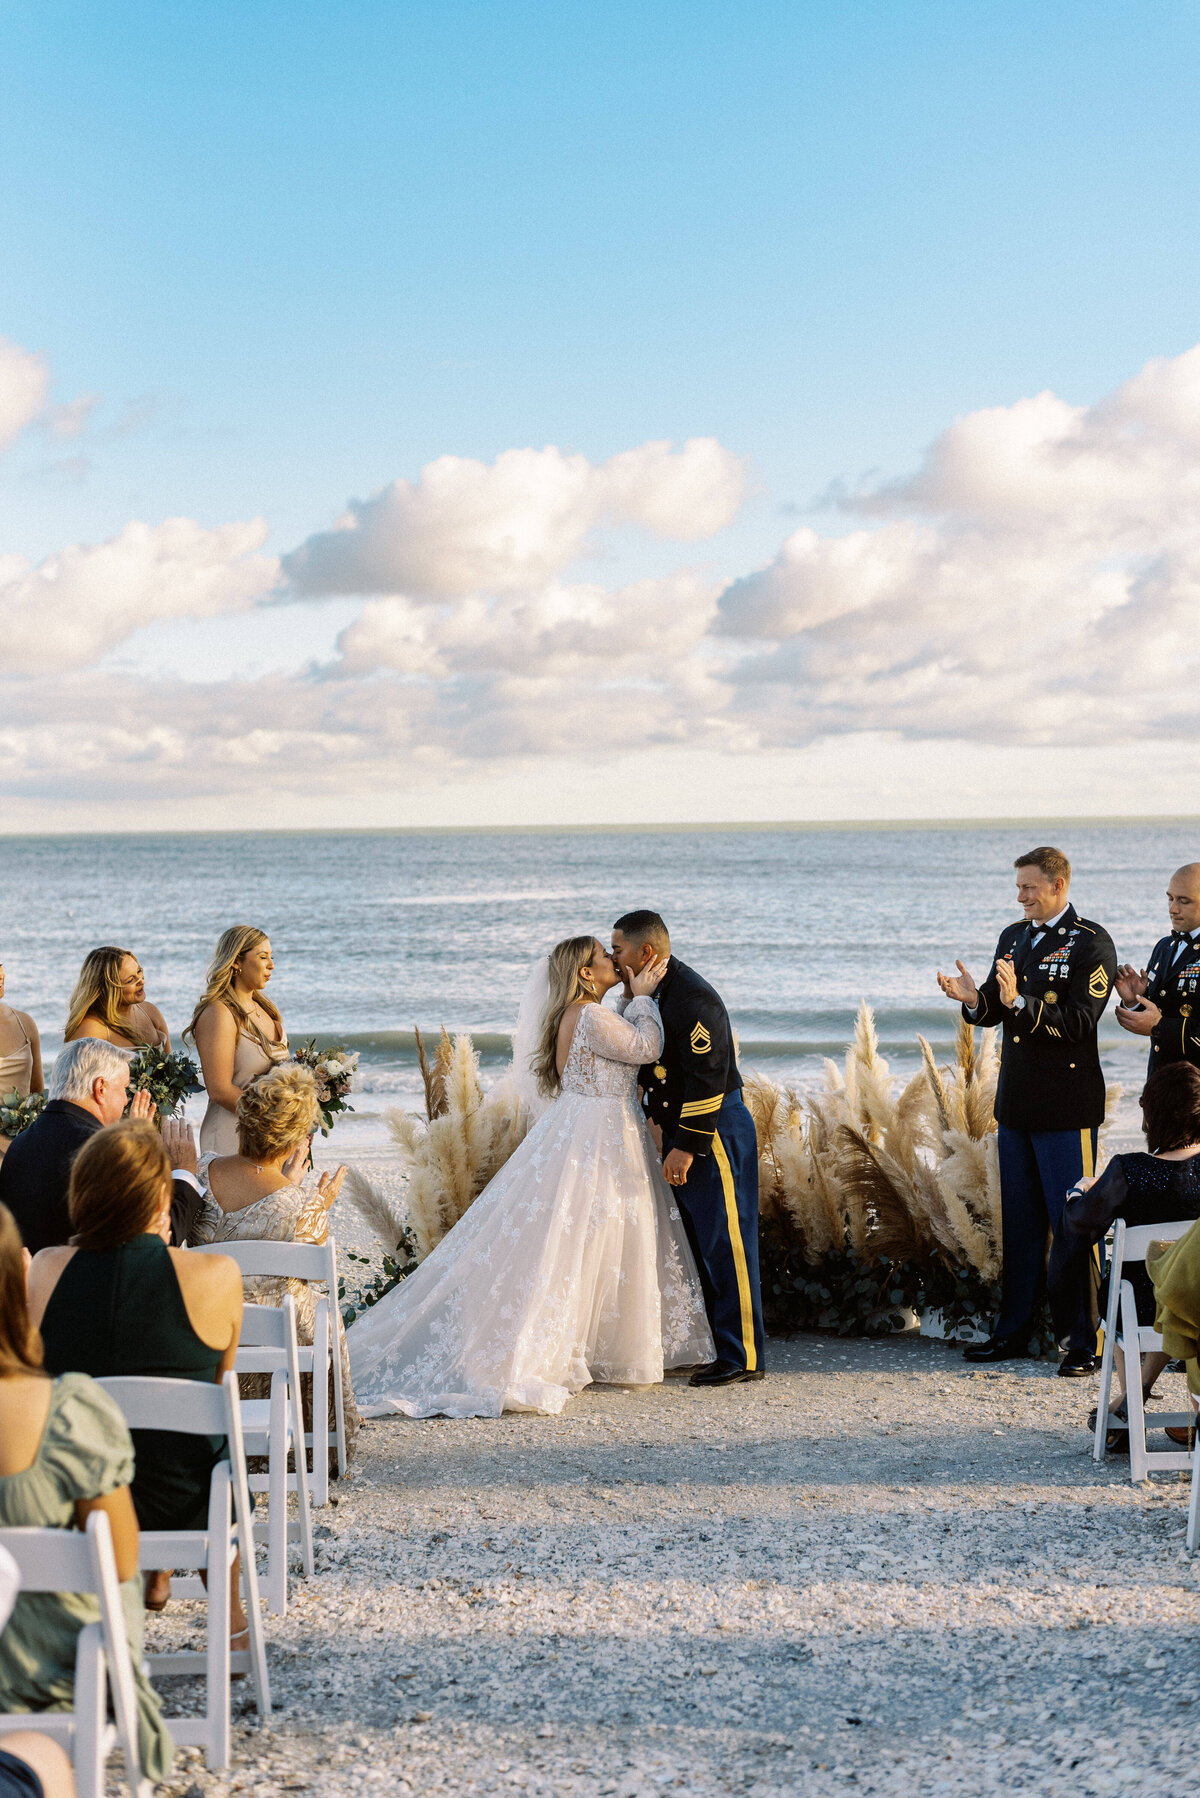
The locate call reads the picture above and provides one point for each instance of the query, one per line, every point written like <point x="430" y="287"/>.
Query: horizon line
<point x="744" y="827"/>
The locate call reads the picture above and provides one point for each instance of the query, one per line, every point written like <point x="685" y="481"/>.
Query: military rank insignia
<point x="700" y="1040"/>
<point x="1098" y="984"/>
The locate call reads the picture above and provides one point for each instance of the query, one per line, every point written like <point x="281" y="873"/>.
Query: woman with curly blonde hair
<point x="109" y="1002"/>
<point x="237" y="1030"/>
<point x="259" y="1194"/>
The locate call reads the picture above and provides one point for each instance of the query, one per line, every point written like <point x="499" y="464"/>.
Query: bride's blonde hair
<point x="567" y="961"/>
<point x="232" y="944"/>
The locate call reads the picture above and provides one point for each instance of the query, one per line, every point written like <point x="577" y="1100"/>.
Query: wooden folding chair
<point x="195" y="1408"/>
<point x="64" y="1560"/>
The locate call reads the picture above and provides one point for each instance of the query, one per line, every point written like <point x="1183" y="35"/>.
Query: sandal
<point x="1116" y="1437"/>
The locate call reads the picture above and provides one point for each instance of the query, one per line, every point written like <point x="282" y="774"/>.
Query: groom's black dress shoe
<point x="1077" y="1365"/>
<point x="998" y="1348"/>
<point x="724" y="1373"/>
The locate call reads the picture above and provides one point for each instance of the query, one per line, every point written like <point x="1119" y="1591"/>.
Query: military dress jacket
<point x="1050" y="1074"/>
<point x="684" y="1090"/>
<point x="1174" y="986"/>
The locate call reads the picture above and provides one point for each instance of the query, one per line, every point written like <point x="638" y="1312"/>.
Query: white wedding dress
<point x="571" y="1266"/>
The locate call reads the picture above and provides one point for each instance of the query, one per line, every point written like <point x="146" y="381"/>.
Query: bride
<point x="572" y="1265"/>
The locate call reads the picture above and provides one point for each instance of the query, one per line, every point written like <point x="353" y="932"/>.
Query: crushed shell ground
<point x="878" y="1570"/>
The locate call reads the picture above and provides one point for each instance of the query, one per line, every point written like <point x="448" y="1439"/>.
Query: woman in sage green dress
<point x="64" y="1451"/>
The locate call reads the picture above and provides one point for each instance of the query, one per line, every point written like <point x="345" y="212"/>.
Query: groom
<point x="694" y="1096"/>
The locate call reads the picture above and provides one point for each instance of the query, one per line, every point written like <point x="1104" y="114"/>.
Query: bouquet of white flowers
<point x="16" y="1113"/>
<point x="333" y="1070"/>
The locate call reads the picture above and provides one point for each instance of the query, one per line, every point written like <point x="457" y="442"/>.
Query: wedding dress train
<point x="571" y="1266"/>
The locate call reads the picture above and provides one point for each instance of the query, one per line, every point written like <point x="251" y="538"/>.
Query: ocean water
<point x="374" y="933"/>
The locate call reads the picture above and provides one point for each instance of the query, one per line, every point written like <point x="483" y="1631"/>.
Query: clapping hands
<point x="329" y="1186"/>
<point x="1131" y="983"/>
<point x="961" y="989"/>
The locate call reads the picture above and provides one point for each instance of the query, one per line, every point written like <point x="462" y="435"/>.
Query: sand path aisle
<point x="878" y="1571"/>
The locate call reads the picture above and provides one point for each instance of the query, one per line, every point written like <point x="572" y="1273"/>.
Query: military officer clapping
<point x="1049" y="984"/>
<point x="1162" y="1001"/>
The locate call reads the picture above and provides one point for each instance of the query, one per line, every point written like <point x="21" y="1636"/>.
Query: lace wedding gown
<point x="571" y="1266"/>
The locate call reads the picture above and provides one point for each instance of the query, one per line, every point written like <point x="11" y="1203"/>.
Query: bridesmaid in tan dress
<point x="109" y="1002"/>
<point x="20" y="1054"/>
<point x="237" y="1031"/>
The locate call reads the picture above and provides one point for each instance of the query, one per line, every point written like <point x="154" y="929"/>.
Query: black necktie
<point x="1180" y="940"/>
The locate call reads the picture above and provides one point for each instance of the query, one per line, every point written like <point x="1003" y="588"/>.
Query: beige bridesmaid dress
<point x="253" y="1056"/>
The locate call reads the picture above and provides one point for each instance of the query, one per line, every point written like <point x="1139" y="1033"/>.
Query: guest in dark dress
<point x="118" y="1300"/>
<point x="89" y="1088"/>
<point x="1159" y="1186"/>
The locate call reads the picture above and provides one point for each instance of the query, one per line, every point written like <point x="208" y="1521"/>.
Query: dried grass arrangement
<point x="865" y="1168"/>
<point x="448" y="1156"/>
<point x="878" y="1198"/>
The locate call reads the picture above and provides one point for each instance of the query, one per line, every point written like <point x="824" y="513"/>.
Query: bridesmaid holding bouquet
<point x="237" y="1030"/>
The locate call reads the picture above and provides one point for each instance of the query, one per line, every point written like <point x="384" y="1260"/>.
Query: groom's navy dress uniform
<point x="1049" y="1101"/>
<point x="1173" y="977"/>
<point x="694" y="1094"/>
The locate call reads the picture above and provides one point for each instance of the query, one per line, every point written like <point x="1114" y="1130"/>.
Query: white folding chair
<point x="274" y="1427"/>
<point x="68" y="1561"/>
<point x="195" y="1408"/>
<point x="1135" y="1340"/>
<point x="1193" y="1523"/>
<point x="315" y="1263"/>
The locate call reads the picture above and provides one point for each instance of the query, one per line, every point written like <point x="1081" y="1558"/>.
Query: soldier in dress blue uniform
<point x="1162" y="1001"/>
<point x="693" y="1094"/>
<point x="1049" y="984"/>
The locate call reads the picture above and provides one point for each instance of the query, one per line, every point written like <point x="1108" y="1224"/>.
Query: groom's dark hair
<point x="638" y="927"/>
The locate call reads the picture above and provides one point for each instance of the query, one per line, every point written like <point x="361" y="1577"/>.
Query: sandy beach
<point x="878" y="1571"/>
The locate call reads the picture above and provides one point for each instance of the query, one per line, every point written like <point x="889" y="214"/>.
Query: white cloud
<point x="466" y="527"/>
<point x="67" y="611"/>
<point x="1037" y="581"/>
<point x="1034" y="586"/>
<point x="24" y="379"/>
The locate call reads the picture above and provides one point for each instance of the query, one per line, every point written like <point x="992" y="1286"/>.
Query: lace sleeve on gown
<point x="635" y="1038"/>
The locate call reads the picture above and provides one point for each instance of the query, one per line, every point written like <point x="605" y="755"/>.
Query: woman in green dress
<point x="64" y="1451"/>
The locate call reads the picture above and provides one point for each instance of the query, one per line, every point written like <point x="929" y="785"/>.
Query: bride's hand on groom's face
<point x="643" y="984"/>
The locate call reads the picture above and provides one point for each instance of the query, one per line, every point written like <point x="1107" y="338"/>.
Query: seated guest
<point x="256" y="1194"/>
<point x="32" y="1765"/>
<point x="109" y="1002"/>
<point x="89" y="1087"/>
<point x="20" y="1054"/>
<point x="1174" y="1269"/>
<point x="118" y="1300"/>
<point x="64" y="1452"/>
<point x="1158" y="1186"/>
<point x="237" y="1030"/>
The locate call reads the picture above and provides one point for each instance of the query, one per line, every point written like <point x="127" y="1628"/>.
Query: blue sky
<point x="300" y="251"/>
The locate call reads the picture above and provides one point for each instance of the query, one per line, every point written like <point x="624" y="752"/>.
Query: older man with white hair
<point x="88" y="1088"/>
